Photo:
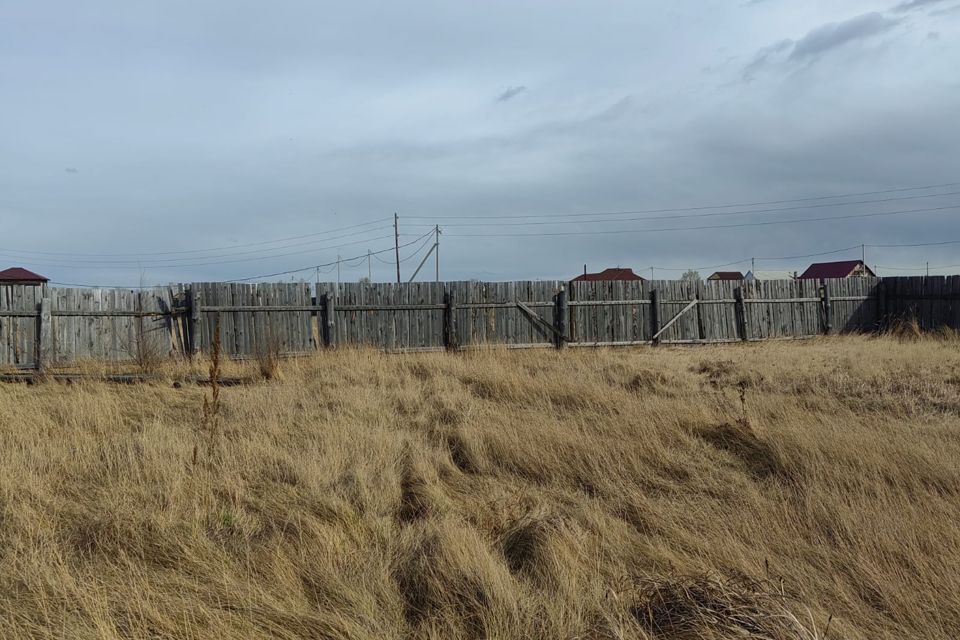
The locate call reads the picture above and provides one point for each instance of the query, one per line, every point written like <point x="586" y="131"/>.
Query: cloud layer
<point x="223" y="126"/>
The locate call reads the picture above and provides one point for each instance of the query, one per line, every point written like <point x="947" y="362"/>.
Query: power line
<point x="702" y="227"/>
<point x="186" y="251"/>
<point x="256" y="277"/>
<point x="697" y="215"/>
<point x="419" y="249"/>
<point x="311" y="267"/>
<point x="695" y="208"/>
<point x="143" y="265"/>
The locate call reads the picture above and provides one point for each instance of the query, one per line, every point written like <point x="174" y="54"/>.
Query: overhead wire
<point x="311" y="267"/>
<point x="222" y="248"/>
<point x="259" y="276"/>
<point x="703" y="227"/>
<point x="146" y="265"/>
<point x="692" y="208"/>
<point x="697" y="215"/>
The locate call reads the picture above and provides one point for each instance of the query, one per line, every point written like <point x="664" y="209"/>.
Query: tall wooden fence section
<point x="50" y="326"/>
<point x="42" y="326"/>
<point x="253" y="318"/>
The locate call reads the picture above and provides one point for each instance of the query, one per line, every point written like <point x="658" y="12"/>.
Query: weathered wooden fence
<point x="41" y="326"/>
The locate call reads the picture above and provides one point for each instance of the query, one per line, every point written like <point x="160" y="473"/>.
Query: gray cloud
<point x="189" y="130"/>
<point x="510" y="93"/>
<point x="836" y="34"/>
<point x="818" y="41"/>
<point x="914" y="5"/>
<point x="763" y="56"/>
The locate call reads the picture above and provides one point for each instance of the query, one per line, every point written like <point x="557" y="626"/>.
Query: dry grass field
<point x="785" y="490"/>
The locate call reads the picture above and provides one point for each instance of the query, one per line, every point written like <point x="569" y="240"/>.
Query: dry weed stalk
<point x="210" y="420"/>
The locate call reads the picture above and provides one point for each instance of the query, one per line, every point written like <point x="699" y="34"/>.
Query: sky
<point x="149" y="142"/>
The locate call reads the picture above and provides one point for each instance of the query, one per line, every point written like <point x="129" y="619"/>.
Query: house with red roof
<point x="608" y="275"/>
<point x="841" y="269"/>
<point x="726" y="275"/>
<point x="19" y="275"/>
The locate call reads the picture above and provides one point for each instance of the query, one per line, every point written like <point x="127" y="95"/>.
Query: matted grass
<point x="789" y="490"/>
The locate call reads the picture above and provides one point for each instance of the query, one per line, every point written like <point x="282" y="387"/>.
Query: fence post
<point x="195" y="315"/>
<point x="329" y="321"/>
<point x="561" y="309"/>
<point x="881" y="291"/>
<point x="827" y="319"/>
<point x="449" y="322"/>
<point x="740" y="311"/>
<point x="655" y="317"/>
<point x="44" y="336"/>
<point x="698" y="295"/>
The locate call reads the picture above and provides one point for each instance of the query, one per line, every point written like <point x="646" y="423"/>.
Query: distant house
<point x="18" y="275"/>
<point x="762" y="276"/>
<point x="608" y="275"/>
<point x="841" y="269"/>
<point x="726" y="275"/>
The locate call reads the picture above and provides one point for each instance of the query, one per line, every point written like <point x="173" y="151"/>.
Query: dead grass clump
<point x="465" y="452"/>
<point x="702" y="606"/>
<point x="736" y="439"/>
<point x="421" y="495"/>
<point x="452" y="586"/>
<point x="650" y="381"/>
<point x="525" y="543"/>
<point x="725" y="373"/>
<point x="906" y="330"/>
<point x="268" y="358"/>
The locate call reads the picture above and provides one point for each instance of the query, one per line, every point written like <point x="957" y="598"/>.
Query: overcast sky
<point x="155" y="133"/>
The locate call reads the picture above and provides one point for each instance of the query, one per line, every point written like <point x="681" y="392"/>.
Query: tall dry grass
<point x="786" y="491"/>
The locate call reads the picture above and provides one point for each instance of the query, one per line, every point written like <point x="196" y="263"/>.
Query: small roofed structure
<point x="608" y="275"/>
<point x="19" y="275"/>
<point x="841" y="269"/>
<point x="762" y="276"/>
<point x="726" y="275"/>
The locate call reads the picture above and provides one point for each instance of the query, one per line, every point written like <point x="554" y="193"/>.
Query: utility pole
<point x="863" y="254"/>
<point x="651" y="271"/>
<point x="396" y="242"/>
<point x="437" y="254"/>
<point x="369" y="267"/>
<point x="338" y="271"/>
<point x="928" y="268"/>
<point x="753" y="267"/>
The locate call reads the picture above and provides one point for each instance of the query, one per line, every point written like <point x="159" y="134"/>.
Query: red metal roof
<point x="841" y="269"/>
<point x="608" y="274"/>
<point x="20" y="274"/>
<point x="726" y="275"/>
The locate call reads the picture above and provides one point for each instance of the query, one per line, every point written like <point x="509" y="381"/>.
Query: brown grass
<point x="783" y="491"/>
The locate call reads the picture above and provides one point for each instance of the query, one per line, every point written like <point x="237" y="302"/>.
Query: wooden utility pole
<point x="369" y="267"/>
<point x="396" y="242"/>
<point x="437" y="249"/>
